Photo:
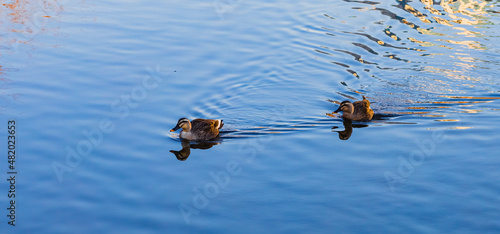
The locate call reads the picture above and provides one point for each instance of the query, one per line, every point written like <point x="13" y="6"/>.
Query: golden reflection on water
<point x="22" y="20"/>
<point x="447" y="120"/>
<point x="469" y="97"/>
<point x="463" y="17"/>
<point x="451" y="128"/>
<point x="457" y="76"/>
<point x="26" y="13"/>
<point x="450" y="110"/>
<point x="470" y="111"/>
<point x="468" y="20"/>
<point x="434" y="116"/>
<point x="427" y="107"/>
<point x="23" y="11"/>
<point x="460" y="128"/>
<point x="474" y="9"/>
<point x="473" y="13"/>
<point x="470" y="44"/>
<point x="465" y="101"/>
<point x="461" y="12"/>
<point x="457" y="104"/>
<point x="412" y="112"/>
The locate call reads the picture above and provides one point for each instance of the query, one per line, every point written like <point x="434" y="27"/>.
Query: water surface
<point x="106" y="81"/>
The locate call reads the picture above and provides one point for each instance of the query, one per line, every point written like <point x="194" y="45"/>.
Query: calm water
<point x="95" y="86"/>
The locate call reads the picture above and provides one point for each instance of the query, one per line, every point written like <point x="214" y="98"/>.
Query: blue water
<point x="95" y="87"/>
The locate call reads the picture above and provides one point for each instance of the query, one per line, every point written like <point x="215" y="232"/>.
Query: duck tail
<point x="219" y="124"/>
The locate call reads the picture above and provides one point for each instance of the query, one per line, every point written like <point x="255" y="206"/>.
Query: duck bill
<point x="175" y="128"/>
<point x="338" y="110"/>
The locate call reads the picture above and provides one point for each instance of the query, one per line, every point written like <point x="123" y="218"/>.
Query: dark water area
<point x="95" y="86"/>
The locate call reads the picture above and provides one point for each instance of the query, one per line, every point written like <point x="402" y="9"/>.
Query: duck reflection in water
<point x="348" y="126"/>
<point x="184" y="153"/>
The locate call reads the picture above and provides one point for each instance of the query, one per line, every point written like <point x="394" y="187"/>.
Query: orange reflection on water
<point x="470" y="44"/>
<point x="460" y="128"/>
<point x="412" y="112"/>
<point x="469" y="97"/>
<point x="469" y="8"/>
<point x="416" y="13"/>
<point x="22" y="20"/>
<point x="422" y="43"/>
<point x="458" y="12"/>
<point x="457" y="102"/>
<point x="435" y="116"/>
<point x="25" y="12"/>
<point x="451" y="128"/>
<point x="465" y="100"/>
<point x="427" y="107"/>
<point x="470" y="111"/>
<point x="447" y="120"/>
<point x="454" y="74"/>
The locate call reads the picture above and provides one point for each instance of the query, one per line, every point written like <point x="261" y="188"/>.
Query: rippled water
<point x="94" y="88"/>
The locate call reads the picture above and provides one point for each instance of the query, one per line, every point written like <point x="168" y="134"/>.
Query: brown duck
<point x="198" y="129"/>
<point x="357" y="111"/>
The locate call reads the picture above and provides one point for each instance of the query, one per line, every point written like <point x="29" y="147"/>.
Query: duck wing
<point x="362" y="110"/>
<point x="206" y="128"/>
<point x="360" y="107"/>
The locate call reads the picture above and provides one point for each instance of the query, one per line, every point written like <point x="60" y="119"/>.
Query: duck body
<point x="357" y="111"/>
<point x="198" y="129"/>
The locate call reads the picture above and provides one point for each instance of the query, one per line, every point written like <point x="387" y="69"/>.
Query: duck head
<point x="183" y="123"/>
<point x="346" y="107"/>
<point x="184" y="153"/>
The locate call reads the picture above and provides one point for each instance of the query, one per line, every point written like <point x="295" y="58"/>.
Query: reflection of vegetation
<point x="22" y="20"/>
<point x="184" y="153"/>
<point x="25" y="12"/>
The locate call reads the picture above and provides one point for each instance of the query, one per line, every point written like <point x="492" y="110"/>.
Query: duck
<point x="198" y="129"/>
<point x="357" y="111"/>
